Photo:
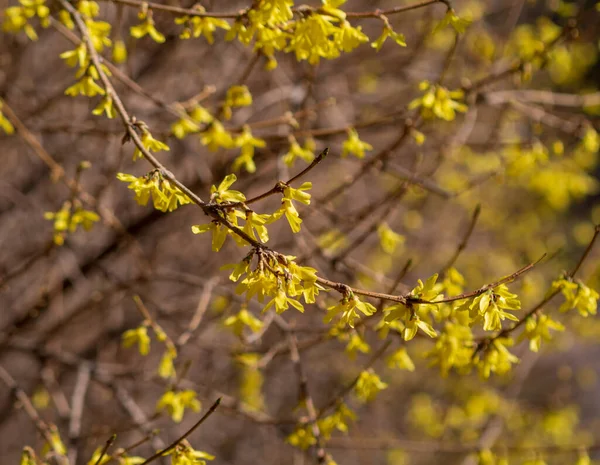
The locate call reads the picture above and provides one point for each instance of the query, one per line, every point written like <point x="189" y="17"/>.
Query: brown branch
<point x="82" y="383"/>
<point x="519" y="64"/>
<point x="539" y="115"/>
<point x="129" y="405"/>
<point x="586" y="252"/>
<point x="448" y="59"/>
<point x="179" y="10"/>
<point x="399" y="9"/>
<point x="172" y="446"/>
<point x="392" y="203"/>
<point x="198" y="314"/>
<point x="346" y="389"/>
<point x="543" y="97"/>
<point x="240" y="13"/>
<point x="396" y="283"/>
<point x="57" y="172"/>
<point x="169" y="344"/>
<point x="465" y="240"/>
<point x="58" y="396"/>
<point x="485" y="288"/>
<point x="283" y="348"/>
<point x="505" y="332"/>
<point x="42" y="427"/>
<point x="278" y="188"/>
<point x="413" y="179"/>
<point x="26" y="264"/>
<point x="137" y="443"/>
<point x="303" y="386"/>
<point x="314" y="163"/>
<point x="104" y="450"/>
<point x="383" y="154"/>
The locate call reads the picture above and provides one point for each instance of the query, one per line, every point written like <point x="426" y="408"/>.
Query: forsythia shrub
<point x="408" y="191"/>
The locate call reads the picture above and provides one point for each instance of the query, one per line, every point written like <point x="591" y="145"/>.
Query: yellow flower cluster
<point x="248" y="143"/>
<point x="496" y="358"/>
<point x="87" y="74"/>
<point x="237" y="96"/>
<point x="137" y="336"/>
<point x="175" y="403"/>
<point x="577" y="296"/>
<point x="354" y="145"/>
<point x="316" y="33"/>
<point x="185" y="454"/>
<point x="190" y="121"/>
<point x="148" y="141"/>
<point x="197" y="26"/>
<point x="288" y="209"/>
<point x="165" y="196"/>
<point x="388" y="32"/>
<point x="278" y="278"/>
<point x="306" y="152"/>
<point x="537" y="329"/>
<point x="388" y="239"/>
<point x="438" y="102"/>
<point x="453" y="349"/>
<point x="146" y="27"/>
<point x="452" y="19"/>
<point x="368" y="386"/>
<point x="69" y="218"/>
<point x="241" y="320"/>
<point x="491" y="306"/>
<point x="216" y="136"/>
<point x="417" y="316"/>
<point x="5" y="124"/>
<point x="16" y="18"/>
<point x="348" y="309"/>
<point x="86" y="86"/>
<point x="255" y="224"/>
<point x="303" y="436"/>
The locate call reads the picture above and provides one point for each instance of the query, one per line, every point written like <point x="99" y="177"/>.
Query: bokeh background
<point x="520" y="155"/>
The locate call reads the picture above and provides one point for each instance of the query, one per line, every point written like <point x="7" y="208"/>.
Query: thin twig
<point x="303" y="386"/>
<point x="58" y="396"/>
<point x="518" y="65"/>
<point x="178" y="10"/>
<point x="160" y="453"/>
<point x="536" y="308"/>
<point x="396" y="283"/>
<point x="543" y="97"/>
<point x="42" y="427"/>
<point x="82" y="383"/>
<point x="314" y="163"/>
<point x="392" y="203"/>
<point x="465" y="240"/>
<point x="199" y="313"/>
<point x="399" y="9"/>
<point x="487" y="287"/>
<point x="278" y="188"/>
<point x="346" y="389"/>
<point x="104" y="450"/>
<point x="57" y="172"/>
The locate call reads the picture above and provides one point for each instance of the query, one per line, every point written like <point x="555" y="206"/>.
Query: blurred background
<point x="525" y="151"/>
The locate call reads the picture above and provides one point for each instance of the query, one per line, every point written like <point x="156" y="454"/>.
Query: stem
<point x="211" y="410"/>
